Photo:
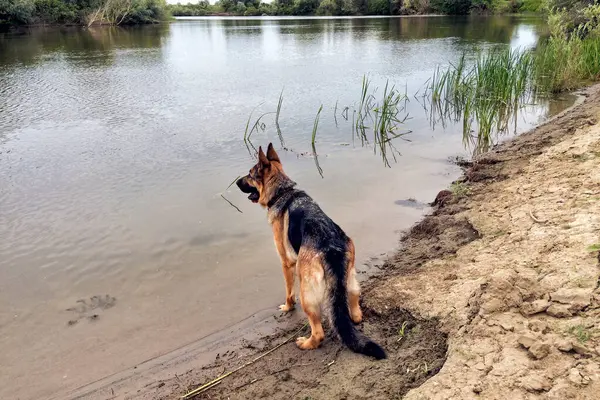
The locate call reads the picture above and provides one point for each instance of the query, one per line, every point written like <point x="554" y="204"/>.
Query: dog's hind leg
<point x="352" y="285"/>
<point x="312" y="293"/>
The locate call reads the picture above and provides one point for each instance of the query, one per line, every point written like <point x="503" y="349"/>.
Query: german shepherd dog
<point x="313" y="247"/>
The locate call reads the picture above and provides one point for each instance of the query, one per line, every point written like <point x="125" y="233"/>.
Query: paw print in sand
<point x="90" y="308"/>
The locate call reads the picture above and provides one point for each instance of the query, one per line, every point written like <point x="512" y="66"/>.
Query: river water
<point x="117" y="143"/>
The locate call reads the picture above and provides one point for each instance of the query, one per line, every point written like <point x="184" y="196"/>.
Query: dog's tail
<point x="340" y="315"/>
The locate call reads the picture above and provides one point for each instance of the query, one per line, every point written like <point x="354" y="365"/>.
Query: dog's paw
<point x="356" y="316"/>
<point x="306" y="343"/>
<point x="286" y="307"/>
<point x="301" y="341"/>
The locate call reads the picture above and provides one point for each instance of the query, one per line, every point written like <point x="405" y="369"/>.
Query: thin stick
<point x="335" y="113"/>
<point x="232" y="205"/>
<point x="216" y="381"/>
<point x="234" y="181"/>
<point x="539" y="221"/>
<point x="246" y="384"/>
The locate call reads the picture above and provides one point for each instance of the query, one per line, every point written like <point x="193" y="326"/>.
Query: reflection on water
<point x="115" y="146"/>
<point x="34" y="45"/>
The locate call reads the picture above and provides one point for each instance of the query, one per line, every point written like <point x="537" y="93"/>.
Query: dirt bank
<point x="495" y="295"/>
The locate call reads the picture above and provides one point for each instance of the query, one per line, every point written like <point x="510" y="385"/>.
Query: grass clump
<point x="594" y="248"/>
<point x="488" y="94"/>
<point x="562" y="64"/>
<point x="381" y="117"/>
<point x="402" y="331"/>
<point x="460" y="189"/>
<point x="580" y="332"/>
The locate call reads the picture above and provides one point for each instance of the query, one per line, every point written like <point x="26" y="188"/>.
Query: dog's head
<point x="262" y="180"/>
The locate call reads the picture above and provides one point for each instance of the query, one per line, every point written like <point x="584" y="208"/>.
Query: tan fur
<point x="312" y="293"/>
<point x="352" y="286"/>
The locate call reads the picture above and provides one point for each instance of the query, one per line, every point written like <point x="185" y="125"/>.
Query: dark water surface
<point x="115" y="145"/>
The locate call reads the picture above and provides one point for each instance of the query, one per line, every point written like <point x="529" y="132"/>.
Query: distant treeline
<point x="82" y="12"/>
<point x="353" y="7"/>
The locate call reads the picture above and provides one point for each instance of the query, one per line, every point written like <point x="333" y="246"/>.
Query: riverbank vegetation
<point x="486" y="94"/>
<point x="82" y="12"/>
<point x="354" y="7"/>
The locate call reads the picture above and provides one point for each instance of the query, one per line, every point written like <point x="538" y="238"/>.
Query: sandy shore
<point x="494" y="295"/>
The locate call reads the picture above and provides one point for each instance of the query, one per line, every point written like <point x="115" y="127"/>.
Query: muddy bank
<point x="496" y="294"/>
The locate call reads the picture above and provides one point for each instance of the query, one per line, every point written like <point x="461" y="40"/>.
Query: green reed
<point x="363" y="111"/>
<point x="491" y="91"/>
<point x="381" y="117"/>
<point x="488" y="93"/>
<point x="277" y="114"/>
<point x="312" y="142"/>
<point x="375" y="121"/>
<point x="564" y="64"/>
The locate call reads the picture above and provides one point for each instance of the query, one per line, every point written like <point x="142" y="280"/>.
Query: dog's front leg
<point x="290" y="298"/>
<point x="288" y="267"/>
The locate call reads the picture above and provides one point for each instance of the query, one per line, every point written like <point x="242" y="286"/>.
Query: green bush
<point x="16" y="11"/>
<point x="565" y="64"/>
<point x="573" y="18"/>
<point x="266" y="8"/>
<point x="409" y="7"/>
<point x="378" y="7"/>
<point x="55" y="12"/>
<point x="305" y="7"/>
<point x="330" y="7"/>
<point x="452" y="7"/>
<point x="532" y="6"/>
<point x="146" y="12"/>
<point x="251" y="11"/>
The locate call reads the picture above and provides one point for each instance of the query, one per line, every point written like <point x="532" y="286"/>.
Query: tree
<point x="16" y="11"/>
<point x="305" y="7"/>
<point x="452" y="7"/>
<point x="330" y="7"/>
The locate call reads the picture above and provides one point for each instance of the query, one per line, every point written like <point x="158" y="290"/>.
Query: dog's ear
<point x="262" y="159"/>
<point x="272" y="154"/>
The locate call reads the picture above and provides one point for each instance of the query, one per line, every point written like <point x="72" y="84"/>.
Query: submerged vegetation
<point x="385" y="116"/>
<point x="375" y="122"/>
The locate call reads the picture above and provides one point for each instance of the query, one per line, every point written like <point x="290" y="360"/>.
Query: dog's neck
<point x="280" y="193"/>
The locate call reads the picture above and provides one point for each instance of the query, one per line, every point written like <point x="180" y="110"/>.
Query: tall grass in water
<point x="488" y="93"/>
<point x="387" y="120"/>
<point x="312" y="142"/>
<point x="277" y="113"/>
<point x="564" y="64"/>
<point x="381" y="117"/>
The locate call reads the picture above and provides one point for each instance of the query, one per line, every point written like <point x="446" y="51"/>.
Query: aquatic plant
<point x="385" y="115"/>
<point x="562" y="64"/>
<point x="312" y="142"/>
<point x="488" y="93"/>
